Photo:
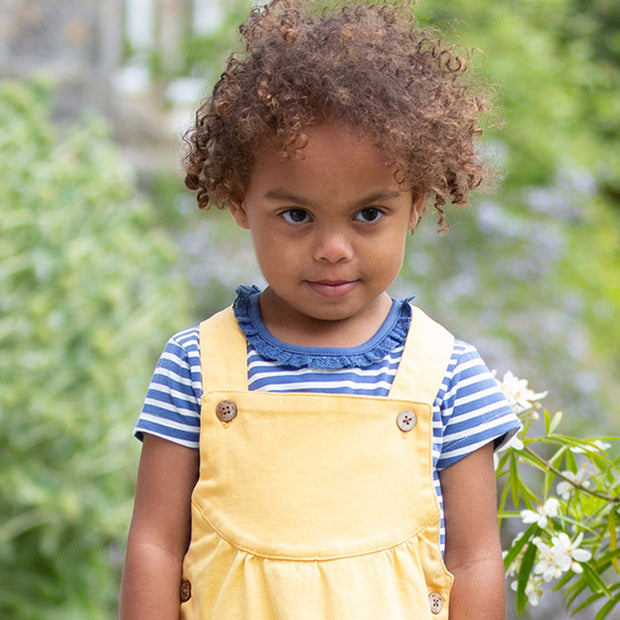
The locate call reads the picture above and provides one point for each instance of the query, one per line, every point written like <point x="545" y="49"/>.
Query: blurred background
<point x="103" y="254"/>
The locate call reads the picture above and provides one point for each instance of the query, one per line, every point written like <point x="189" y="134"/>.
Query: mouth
<point x="332" y="289"/>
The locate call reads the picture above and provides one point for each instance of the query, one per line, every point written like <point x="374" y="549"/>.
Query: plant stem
<point x="615" y="499"/>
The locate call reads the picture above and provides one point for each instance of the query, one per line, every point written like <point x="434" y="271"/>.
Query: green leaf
<point x="534" y="460"/>
<point x="524" y="539"/>
<point x="528" y="496"/>
<point x="594" y="580"/>
<point x="613" y="539"/>
<point x="556" y="459"/>
<point x="502" y="499"/>
<point x="605" y="561"/>
<point x="607" y="608"/>
<point x="587" y="602"/>
<point x="515" y="481"/>
<point x="524" y="575"/>
<point x="571" y="461"/>
<point x="555" y="422"/>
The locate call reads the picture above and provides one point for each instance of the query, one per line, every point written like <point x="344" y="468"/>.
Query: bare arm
<point x="159" y="532"/>
<point x="473" y="550"/>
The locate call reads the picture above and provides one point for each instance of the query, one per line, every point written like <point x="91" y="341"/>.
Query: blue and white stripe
<point x="374" y="380"/>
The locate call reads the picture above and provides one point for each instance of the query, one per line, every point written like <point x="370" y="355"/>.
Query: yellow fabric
<point x="313" y="506"/>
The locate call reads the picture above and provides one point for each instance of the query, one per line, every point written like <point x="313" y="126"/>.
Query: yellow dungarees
<point x="315" y="506"/>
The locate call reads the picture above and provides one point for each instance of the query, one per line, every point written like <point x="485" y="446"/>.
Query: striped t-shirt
<point x="469" y="411"/>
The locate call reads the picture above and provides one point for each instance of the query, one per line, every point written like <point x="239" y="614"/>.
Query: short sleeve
<point x="171" y="408"/>
<point x="472" y="407"/>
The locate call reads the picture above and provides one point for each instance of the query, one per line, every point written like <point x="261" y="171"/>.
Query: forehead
<point x="330" y="155"/>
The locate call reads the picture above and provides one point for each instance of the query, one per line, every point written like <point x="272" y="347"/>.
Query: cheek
<point x="388" y="259"/>
<point x="274" y="257"/>
<point x="391" y="250"/>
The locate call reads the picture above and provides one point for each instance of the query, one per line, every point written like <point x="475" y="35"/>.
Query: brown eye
<point x="369" y="215"/>
<point x="296" y="216"/>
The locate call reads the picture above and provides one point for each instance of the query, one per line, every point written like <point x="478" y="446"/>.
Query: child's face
<point x="329" y="232"/>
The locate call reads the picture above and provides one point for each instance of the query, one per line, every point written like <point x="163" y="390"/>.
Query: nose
<point x="332" y="246"/>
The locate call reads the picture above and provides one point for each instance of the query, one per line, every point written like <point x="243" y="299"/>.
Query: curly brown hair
<point x="372" y="68"/>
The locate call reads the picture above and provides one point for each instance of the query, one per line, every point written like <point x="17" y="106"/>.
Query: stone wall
<point x="75" y="44"/>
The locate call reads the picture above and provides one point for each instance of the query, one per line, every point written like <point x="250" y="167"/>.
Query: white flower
<point x="569" y="553"/>
<point x="518" y="394"/>
<point x="559" y="557"/>
<point x="547" y="566"/>
<point x="565" y="488"/>
<point x="533" y="590"/>
<point x="548" y="509"/>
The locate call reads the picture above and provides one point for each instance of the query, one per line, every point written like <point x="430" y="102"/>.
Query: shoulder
<point x="464" y="356"/>
<point x="186" y="339"/>
<point x="182" y="349"/>
<point x="466" y="372"/>
<point x="178" y="367"/>
<point x="468" y="383"/>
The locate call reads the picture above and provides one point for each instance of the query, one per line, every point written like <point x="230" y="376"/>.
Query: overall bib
<point x="315" y="506"/>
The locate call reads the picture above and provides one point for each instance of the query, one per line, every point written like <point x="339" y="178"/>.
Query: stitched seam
<point x="429" y="522"/>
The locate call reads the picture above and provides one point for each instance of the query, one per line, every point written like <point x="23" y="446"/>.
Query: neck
<point x="288" y="325"/>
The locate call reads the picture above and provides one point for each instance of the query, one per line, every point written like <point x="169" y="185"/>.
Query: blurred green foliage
<point x="557" y="67"/>
<point x="544" y="252"/>
<point x="87" y="298"/>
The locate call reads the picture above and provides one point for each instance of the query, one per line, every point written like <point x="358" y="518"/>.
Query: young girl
<point x="320" y="450"/>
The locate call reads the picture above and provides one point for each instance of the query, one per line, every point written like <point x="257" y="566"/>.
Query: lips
<point x="332" y="289"/>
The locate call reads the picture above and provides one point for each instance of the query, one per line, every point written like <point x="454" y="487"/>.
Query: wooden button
<point x="406" y="420"/>
<point x="226" y="410"/>
<point x="186" y="591"/>
<point x="436" y="602"/>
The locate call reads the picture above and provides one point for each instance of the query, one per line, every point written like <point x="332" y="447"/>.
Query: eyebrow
<point x="286" y="196"/>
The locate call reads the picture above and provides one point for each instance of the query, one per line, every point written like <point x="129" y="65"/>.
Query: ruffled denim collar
<point x="391" y="334"/>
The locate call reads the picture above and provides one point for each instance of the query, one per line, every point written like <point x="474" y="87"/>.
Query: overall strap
<point x="424" y="361"/>
<point x="223" y="353"/>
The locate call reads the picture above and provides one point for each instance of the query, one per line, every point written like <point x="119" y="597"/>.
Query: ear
<point x="417" y="209"/>
<point x="239" y="212"/>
